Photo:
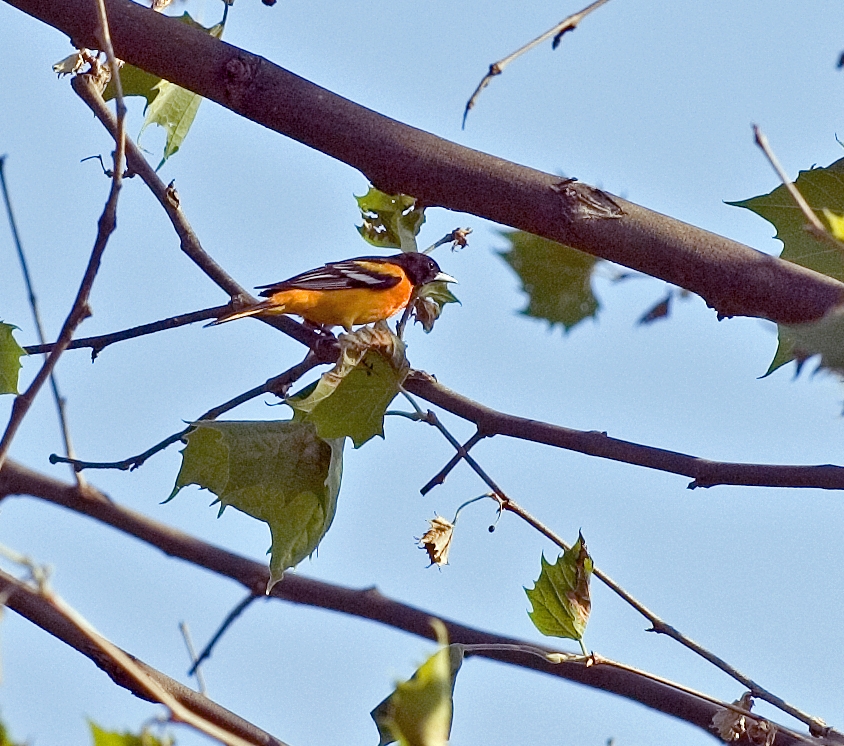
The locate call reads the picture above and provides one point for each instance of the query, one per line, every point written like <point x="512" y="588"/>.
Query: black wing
<point x="344" y="275"/>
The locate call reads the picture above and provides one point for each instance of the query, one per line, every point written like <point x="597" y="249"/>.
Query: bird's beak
<point x="443" y="277"/>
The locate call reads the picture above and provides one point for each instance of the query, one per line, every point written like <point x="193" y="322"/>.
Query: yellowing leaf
<point x="419" y="711"/>
<point x="390" y="220"/>
<point x="560" y="597"/>
<point x="836" y="223"/>
<point x="113" y="738"/>
<point x="10" y="360"/>
<point x="281" y="473"/>
<point x="557" y="278"/>
<point x="351" y="399"/>
<point x="823" y="189"/>
<point x="173" y="108"/>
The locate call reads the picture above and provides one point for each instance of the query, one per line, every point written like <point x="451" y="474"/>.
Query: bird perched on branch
<point x="354" y="291"/>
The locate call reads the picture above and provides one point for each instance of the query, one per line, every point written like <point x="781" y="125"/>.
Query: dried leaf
<point x="437" y="540"/>
<point x="734" y="726"/>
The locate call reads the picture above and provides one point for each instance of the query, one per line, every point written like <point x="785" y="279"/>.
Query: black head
<point x="420" y="268"/>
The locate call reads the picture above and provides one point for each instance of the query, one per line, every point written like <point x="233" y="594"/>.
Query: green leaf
<point x="135" y="82"/>
<point x="351" y="399"/>
<point x="824" y="337"/>
<point x="429" y="303"/>
<point x="168" y="105"/>
<point x="785" y="350"/>
<point x="279" y="472"/>
<point x="390" y="220"/>
<point x="419" y="711"/>
<point x="173" y="108"/>
<point x="560" y="597"/>
<point x="5" y="738"/>
<point x="557" y="278"/>
<point x="10" y="360"/>
<point x="113" y="738"/>
<point x="823" y="189"/>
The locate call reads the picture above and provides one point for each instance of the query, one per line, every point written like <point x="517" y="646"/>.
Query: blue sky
<point x="647" y="100"/>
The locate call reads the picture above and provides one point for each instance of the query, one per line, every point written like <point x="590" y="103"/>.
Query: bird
<point x="346" y="293"/>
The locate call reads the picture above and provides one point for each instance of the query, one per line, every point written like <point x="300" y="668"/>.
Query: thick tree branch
<point x="33" y="606"/>
<point x="705" y="473"/>
<point x="16" y="479"/>
<point x="732" y="278"/>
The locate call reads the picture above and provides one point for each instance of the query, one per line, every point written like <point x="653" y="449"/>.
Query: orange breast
<point x="344" y="308"/>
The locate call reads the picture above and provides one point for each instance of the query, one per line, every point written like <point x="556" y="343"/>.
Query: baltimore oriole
<point x="354" y="291"/>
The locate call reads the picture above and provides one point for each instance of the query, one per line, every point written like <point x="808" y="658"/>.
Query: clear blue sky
<point x="651" y="101"/>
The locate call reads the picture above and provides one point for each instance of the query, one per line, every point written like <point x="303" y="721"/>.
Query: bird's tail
<point x="241" y="314"/>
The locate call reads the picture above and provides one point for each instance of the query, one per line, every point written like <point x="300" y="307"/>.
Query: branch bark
<point x="16" y="479"/>
<point x="704" y="472"/>
<point x="732" y="278"/>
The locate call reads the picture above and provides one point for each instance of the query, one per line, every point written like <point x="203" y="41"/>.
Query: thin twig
<point x="441" y="475"/>
<point x="459" y="237"/>
<point x="100" y="342"/>
<point x="277" y="385"/>
<point x="227" y="622"/>
<point x="406" y="315"/>
<point x="815" y="226"/>
<point x="36" y="317"/>
<point x="496" y="68"/>
<point x="195" y="669"/>
<point x="80" y="309"/>
<point x="816" y="725"/>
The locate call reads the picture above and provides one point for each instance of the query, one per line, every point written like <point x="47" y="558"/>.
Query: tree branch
<point x="34" y="607"/>
<point x="168" y="198"/>
<point x="594" y="443"/>
<point x="106" y="225"/>
<point x="100" y="342"/>
<point x="278" y="385"/>
<point x="16" y="479"/>
<point x="732" y="278"/>
<point x="659" y="625"/>
<point x="59" y="400"/>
